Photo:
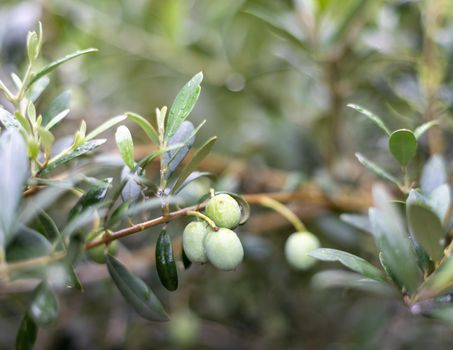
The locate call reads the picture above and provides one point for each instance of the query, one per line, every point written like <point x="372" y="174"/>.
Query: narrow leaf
<point x="434" y="174"/>
<point x="52" y="66"/>
<point x="14" y="163"/>
<point x="135" y="291"/>
<point x="351" y="261"/>
<point x="105" y="126"/>
<point x="57" y="119"/>
<point x="125" y="145"/>
<point x="7" y="120"/>
<point x="58" y="105"/>
<point x="183" y="104"/>
<point x="27" y="334"/>
<point x="377" y="169"/>
<point x="184" y="134"/>
<point x="145" y="125"/>
<point x="374" y="118"/>
<point x="202" y="152"/>
<point x="420" y="130"/>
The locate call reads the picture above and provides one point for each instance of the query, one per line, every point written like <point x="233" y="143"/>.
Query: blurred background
<point x="278" y="78"/>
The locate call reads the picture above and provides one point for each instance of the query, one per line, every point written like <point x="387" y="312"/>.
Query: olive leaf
<point x="403" y="145"/>
<point x="202" y="152"/>
<point x="377" y="169"/>
<point x="7" y="120"/>
<point x="44" y="307"/>
<point x="393" y="241"/>
<point x="145" y="125"/>
<point x="434" y="174"/>
<point x="371" y="116"/>
<point x="56" y="107"/>
<point x="165" y="262"/>
<point x="420" y="130"/>
<point x="351" y="261"/>
<point x="14" y="162"/>
<point x="27" y="333"/>
<point x="125" y="145"/>
<point x="52" y="66"/>
<point x="183" y="104"/>
<point x="135" y="291"/>
<point x="184" y="134"/>
<point x="105" y="126"/>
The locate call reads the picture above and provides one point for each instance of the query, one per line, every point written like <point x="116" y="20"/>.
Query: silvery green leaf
<point x="15" y="171"/>
<point x="183" y="135"/>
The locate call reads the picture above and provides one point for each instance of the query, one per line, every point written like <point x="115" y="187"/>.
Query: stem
<point x="203" y="217"/>
<point x="283" y="211"/>
<point x="30" y="263"/>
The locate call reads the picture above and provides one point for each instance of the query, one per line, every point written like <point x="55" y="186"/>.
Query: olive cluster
<point x="222" y="248"/>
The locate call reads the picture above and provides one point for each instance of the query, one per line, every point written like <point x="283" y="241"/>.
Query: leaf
<point x="420" y="130"/>
<point x="83" y="149"/>
<point x="90" y="198"/>
<point x="376" y="169"/>
<point x="14" y="163"/>
<point x="440" y="280"/>
<point x="349" y="280"/>
<point x="7" y="120"/>
<point x="57" y="106"/>
<point x="44" y="307"/>
<point x="374" y="118"/>
<point x="57" y="119"/>
<point x="165" y="262"/>
<point x="105" y="126"/>
<point x="38" y="88"/>
<point x="27" y="244"/>
<point x="73" y="252"/>
<point x="393" y="241"/>
<point x="351" y="261"/>
<point x="27" y="334"/>
<point x="193" y="177"/>
<point x="135" y="291"/>
<point x="184" y="134"/>
<point x="361" y="222"/>
<point x="49" y="229"/>
<point x="145" y="125"/>
<point x="202" y="152"/>
<point x="403" y="145"/>
<point x="131" y="187"/>
<point x="52" y="66"/>
<point x="427" y="229"/>
<point x="440" y="201"/>
<point x="125" y="145"/>
<point x="434" y="174"/>
<point x="183" y="104"/>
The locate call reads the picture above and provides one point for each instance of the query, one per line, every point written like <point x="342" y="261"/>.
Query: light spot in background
<point x="235" y="82"/>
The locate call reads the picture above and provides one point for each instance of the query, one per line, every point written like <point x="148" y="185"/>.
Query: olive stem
<point x="203" y="217"/>
<point x="283" y="210"/>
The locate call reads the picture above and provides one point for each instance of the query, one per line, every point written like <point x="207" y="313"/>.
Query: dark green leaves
<point x="44" y="307"/>
<point x="351" y="261"/>
<point x="427" y="229"/>
<point x="26" y="336"/>
<point x="403" y="145"/>
<point x="165" y="262"/>
<point x="183" y="105"/>
<point x="52" y="66"/>
<point x="14" y="163"/>
<point x="136" y="292"/>
<point x="125" y="145"/>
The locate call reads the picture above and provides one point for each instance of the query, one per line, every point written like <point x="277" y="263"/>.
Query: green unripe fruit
<point x="298" y="246"/>
<point x="224" y="211"/>
<point x="224" y="249"/>
<point x="184" y="329"/>
<point x="192" y="241"/>
<point x="96" y="254"/>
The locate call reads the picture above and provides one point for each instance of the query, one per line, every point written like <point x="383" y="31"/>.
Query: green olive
<point x="224" y="211"/>
<point x="192" y="241"/>
<point x="97" y="254"/>
<point x="224" y="249"/>
<point x="298" y="246"/>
